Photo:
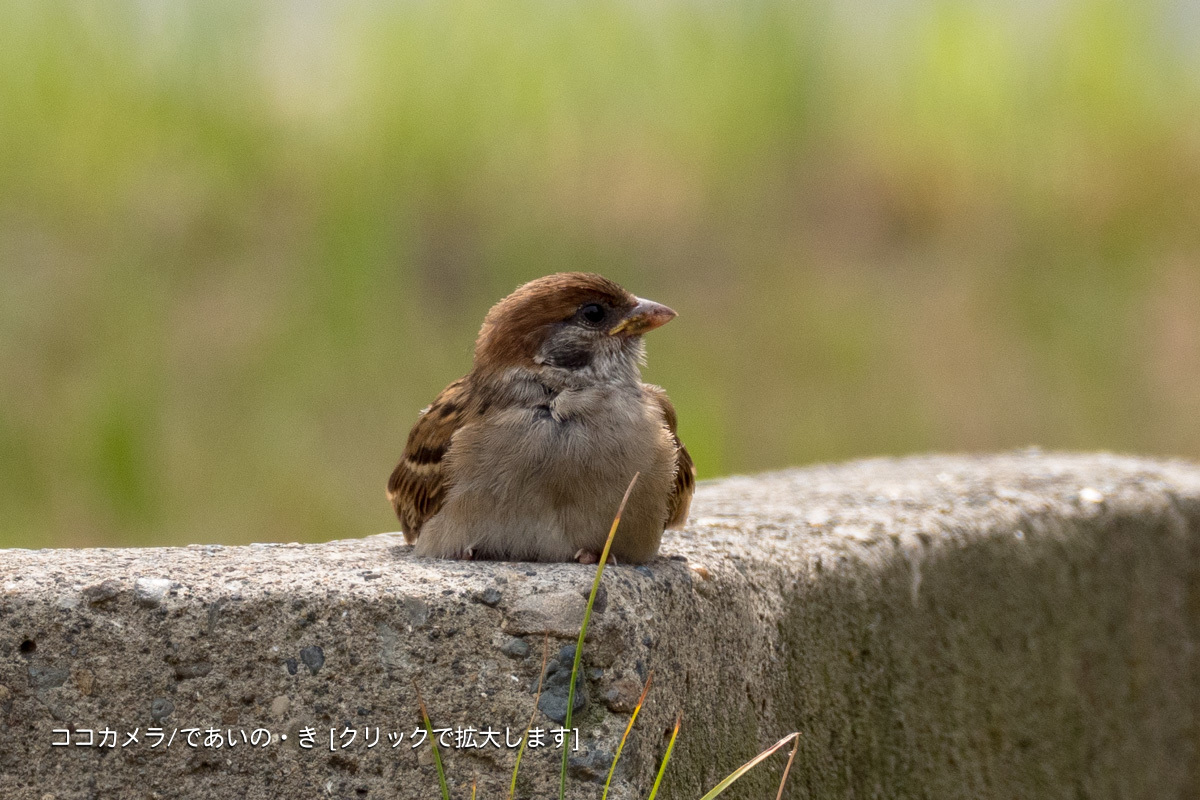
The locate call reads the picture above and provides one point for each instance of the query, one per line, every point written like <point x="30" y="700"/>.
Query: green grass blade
<point x="437" y="756"/>
<point x="512" y="789"/>
<point x="749" y="765"/>
<point x="662" y="768"/>
<point x="587" y="616"/>
<point x="624" y="736"/>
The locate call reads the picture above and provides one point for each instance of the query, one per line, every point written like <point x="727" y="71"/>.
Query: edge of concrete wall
<point x="1020" y="625"/>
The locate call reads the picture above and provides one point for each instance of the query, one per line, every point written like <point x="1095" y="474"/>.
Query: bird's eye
<point x="592" y="313"/>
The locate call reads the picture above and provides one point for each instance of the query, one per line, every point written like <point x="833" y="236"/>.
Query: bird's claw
<point x="584" y="556"/>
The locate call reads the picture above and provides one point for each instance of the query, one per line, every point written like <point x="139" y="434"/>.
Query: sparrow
<point x="527" y="457"/>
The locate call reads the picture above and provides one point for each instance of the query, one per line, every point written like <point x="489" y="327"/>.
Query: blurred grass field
<point x="242" y="244"/>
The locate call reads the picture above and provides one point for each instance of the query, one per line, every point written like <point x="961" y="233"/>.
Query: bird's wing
<point x="685" y="470"/>
<point x="419" y="483"/>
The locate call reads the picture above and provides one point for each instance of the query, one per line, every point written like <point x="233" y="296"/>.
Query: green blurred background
<point x="243" y="244"/>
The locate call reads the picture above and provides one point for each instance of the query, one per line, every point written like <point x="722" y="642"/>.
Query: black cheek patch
<point x="569" y="355"/>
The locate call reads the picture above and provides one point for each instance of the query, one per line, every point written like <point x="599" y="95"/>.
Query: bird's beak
<point x="645" y="316"/>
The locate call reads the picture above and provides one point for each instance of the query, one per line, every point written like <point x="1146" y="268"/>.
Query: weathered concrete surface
<point x="1018" y="626"/>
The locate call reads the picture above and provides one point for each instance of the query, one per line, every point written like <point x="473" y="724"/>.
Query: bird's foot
<point x="466" y="555"/>
<point x="584" y="556"/>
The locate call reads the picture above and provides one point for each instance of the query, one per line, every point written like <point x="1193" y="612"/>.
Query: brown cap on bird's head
<point x="516" y="327"/>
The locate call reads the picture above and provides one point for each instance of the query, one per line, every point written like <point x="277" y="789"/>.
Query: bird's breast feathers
<point x="579" y="435"/>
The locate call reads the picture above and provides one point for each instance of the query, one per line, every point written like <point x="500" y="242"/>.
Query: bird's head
<point x="572" y="323"/>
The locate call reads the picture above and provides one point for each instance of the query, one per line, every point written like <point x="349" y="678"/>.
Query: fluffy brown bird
<point x="526" y="458"/>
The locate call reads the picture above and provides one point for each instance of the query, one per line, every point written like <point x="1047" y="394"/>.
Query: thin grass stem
<point x="437" y="756"/>
<point x="787" y="768"/>
<point x="624" y="736"/>
<point x="512" y="789"/>
<point x="749" y="765"/>
<point x="587" y="616"/>
<point x="662" y="768"/>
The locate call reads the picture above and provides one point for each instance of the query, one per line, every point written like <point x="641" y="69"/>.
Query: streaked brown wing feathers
<point x="418" y="485"/>
<point x="685" y="471"/>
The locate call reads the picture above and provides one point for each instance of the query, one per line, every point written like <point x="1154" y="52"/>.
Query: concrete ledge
<point x="1014" y="626"/>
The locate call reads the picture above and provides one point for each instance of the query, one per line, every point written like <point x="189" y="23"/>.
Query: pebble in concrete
<point x="556" y="686"/>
